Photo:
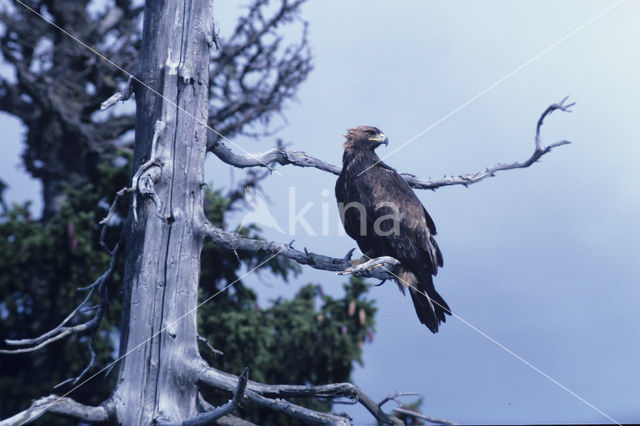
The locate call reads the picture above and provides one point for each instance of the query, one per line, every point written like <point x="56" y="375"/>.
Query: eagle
<point x="382" y="213"/>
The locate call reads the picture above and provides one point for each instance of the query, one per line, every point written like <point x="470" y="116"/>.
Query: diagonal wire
<point x="500" y="81"/>
<point x="501" y="346"/>
<point x="136" y="79"/>
<point x="170" y="324"/>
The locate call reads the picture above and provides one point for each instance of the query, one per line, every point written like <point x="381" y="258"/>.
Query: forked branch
<point x="63" y="330"/>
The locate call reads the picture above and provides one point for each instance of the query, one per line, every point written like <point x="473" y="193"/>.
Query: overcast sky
<point x="543" y="261"/>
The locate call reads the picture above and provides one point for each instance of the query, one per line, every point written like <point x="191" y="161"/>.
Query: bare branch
<point x="395" y="397"/>
<point x="380" y="267"/>
<point x="272" y="396"/>
<point x="469" y="179"/>
<point x="377" y="412"/>
<point x="228" y="420"/>
<point x="305" y="415"/>
<point x="273" y="156"/>
<point x="92" y="361"/>
<point x="300" y="159"/>
<point x="219" y="379"/>
<point x="209" y="345"/>
<point x="253" y="73"/>
<point x="234" y="241"/>
<point x="62" y="330"/>
<point x="122" y="95"/>
<point x="562" y="107"/>
<point x="58" y="405"/>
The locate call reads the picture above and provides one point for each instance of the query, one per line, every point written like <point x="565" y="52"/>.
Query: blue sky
<point x="542" y="260"/>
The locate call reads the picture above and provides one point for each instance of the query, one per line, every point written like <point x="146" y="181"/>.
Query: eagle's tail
<point x="430" y="306"/>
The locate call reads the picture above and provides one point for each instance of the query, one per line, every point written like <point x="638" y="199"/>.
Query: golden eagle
<point x="382" y="213"/>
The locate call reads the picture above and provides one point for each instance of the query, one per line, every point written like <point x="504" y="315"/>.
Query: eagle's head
<point x="364" y="138"/>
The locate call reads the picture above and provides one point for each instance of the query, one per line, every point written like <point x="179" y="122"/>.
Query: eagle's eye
<point x="371" y="132"/>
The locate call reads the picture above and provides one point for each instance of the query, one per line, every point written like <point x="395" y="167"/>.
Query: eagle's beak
<point x="381" y="139"/>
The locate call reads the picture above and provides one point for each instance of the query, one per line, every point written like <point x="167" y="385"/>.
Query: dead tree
<point x="160" y="371"/>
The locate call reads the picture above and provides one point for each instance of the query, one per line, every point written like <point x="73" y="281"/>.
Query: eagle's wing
<point x="397" y="225"/>
<point x="391" y="196"/>
<point x="349" y="199"/>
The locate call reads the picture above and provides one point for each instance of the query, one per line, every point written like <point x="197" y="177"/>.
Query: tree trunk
<point x="163" y="244"/>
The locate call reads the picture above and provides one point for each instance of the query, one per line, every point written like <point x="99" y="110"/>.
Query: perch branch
<point x="57" y="405"/>
<point x="273" y="396"/>
<point x="298" y="158"/>
<point x="234" y="241"/>
<point x="380" y="268"/>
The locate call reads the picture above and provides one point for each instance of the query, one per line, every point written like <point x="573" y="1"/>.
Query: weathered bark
<point x="163" y="243"/>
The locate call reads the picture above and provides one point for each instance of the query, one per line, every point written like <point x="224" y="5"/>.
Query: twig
<point x="561" y="106"/>
<point x="395" y="397"/>
<point x="122" y="95"/>
<point x="301" y="159"/>
<point x="209" y="346"/>
<point x="421" y="416"/>
<point x="92" y="361"/>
